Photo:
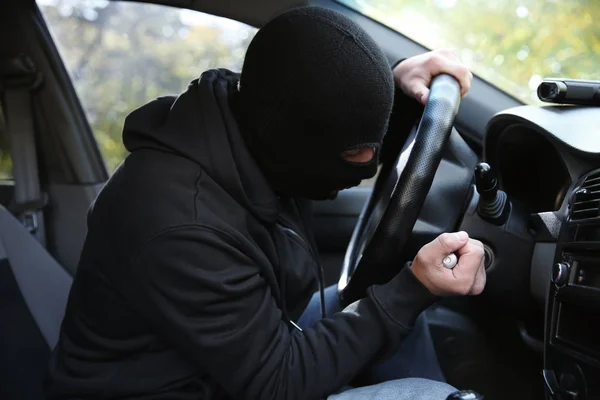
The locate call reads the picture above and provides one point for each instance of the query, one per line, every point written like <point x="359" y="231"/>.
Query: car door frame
<point x="70" y="164"/>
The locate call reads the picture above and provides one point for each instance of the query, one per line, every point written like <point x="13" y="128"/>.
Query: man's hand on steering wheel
<point x="466" y="278"/>
<point x="414" y="75"/>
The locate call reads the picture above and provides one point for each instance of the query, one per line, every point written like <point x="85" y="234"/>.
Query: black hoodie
<point x="193" y="267"/>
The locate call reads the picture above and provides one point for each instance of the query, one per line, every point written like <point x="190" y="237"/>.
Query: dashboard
<point x="548" y="163"/>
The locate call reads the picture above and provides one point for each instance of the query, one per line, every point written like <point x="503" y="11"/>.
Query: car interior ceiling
<point x="494" y="346"/>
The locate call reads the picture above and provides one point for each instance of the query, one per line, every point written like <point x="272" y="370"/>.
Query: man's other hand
<point x="466" y="278"/>
<point x="414" y="74"/>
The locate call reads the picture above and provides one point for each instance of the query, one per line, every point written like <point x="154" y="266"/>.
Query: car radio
<point x="572" y="340"/>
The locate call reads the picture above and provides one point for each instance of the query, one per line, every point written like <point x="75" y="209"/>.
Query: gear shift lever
<point x="493" y="204"/>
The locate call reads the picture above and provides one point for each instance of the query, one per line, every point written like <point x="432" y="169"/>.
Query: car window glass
<point x="513" y="44"/>
<point x="121" y="55"/>
<point x="5" y="159"/>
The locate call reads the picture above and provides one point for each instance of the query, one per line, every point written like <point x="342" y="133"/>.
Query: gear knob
<point x="465" y="395"/>
<point x="493" y="203"/>
<point x="486" y="181"/>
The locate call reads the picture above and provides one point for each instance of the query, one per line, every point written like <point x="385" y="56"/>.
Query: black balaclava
<point x="313" y="85"/>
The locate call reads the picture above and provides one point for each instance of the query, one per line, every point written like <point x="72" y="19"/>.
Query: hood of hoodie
<point x="199" y="125"/>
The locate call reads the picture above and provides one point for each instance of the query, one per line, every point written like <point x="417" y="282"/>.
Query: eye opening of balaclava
<point x="314" y="85"/>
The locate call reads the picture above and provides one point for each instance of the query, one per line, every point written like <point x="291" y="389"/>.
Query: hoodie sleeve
<point x="406" y="112"/>
<point x="202" y="293"/>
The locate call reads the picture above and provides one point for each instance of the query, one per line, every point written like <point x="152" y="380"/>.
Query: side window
<point x="121" y="55"/>
<point x="5" y="160"/>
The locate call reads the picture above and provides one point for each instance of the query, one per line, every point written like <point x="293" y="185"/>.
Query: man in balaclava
<point x="200" y="259"/>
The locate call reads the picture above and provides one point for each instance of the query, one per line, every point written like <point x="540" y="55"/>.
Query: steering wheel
<point x="386" y="222"/>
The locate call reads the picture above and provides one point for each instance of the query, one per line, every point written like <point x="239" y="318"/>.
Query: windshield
<point x="513" y="44"/>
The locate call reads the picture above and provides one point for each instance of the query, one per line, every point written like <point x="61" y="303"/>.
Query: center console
<point x="572" y="336"/>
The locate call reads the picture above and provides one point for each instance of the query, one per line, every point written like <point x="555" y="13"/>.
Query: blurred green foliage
<point x="5" y="160"/>
<point x="513" y="44"/>
<point x="121" y="55"/>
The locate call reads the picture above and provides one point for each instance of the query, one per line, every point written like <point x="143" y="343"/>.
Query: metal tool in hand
<point x="450" y="261"/>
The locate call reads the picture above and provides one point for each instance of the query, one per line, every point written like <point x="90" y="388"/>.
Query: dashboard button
<point x="560" y="274"/>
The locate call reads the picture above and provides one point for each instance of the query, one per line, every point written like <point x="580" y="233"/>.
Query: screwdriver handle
<point x="450" y="261"/>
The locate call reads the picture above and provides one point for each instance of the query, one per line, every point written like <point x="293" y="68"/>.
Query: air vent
<point x="586" y="199"/>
